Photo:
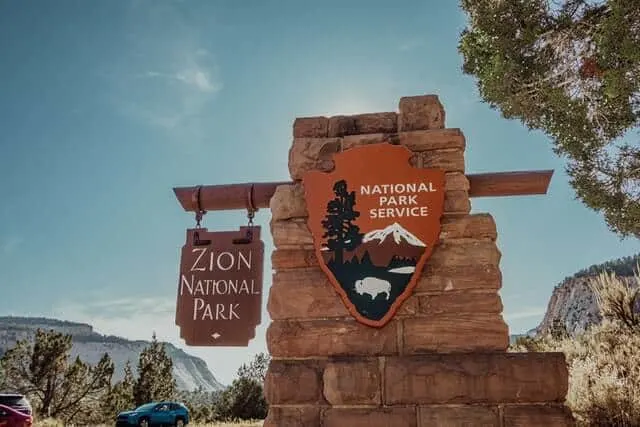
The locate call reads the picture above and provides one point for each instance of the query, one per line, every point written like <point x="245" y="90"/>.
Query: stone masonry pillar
<point x="442" y="360"/>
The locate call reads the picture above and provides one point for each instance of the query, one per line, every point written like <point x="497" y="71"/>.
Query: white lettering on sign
<point x="398" y="200"/>
<point x="210" y="287"/>
<point x="416" y="187"/>
<point x="206" y="311"/>
<point x="208" y="260"/>
<point x="200" y="289"/>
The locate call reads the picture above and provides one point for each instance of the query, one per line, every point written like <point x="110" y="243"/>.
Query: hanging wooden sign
<point x="220" y="287"/>
<point x="375" y="220"/>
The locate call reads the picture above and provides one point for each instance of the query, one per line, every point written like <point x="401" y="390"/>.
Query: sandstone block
<point x="288" y="202"/>
<point x="456" y="181"/>
<point x="476" y="226"/>
<point x="304" y="295"/>
<point x="293" y="416"/>
<point x="450" y="253"/>
<point x="311" y="127"/>
<point x="458" y="302"/>
<point x="330" y="337"/>
<point x="291" y="234"/>
<point x="459" y="416"/>
<point x="352" y="141"/>
<point x="447" y="278"/>
<point x="308" y="154"/>
<point x="449" y="160"/>
<point x="410" y="307"/>
<point x="476" y="378"/>
<point x="420" y="113"/>
<point x="284" y="379"/>
<point x="285" y="259"/>
<point x="341" y="126"/>
<point x="426" y="140"/>
<point x="370" y="417"/>
<point x="457" y="201"/>
<point x="455" y="332"/>
<point x="537" y="415"/>
<point x="352" y="382"/>
<point x="376" y="122"/>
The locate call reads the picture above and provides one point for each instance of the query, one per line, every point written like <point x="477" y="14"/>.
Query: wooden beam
<point x="237" y="196"/>
<point x="504" y="184"/>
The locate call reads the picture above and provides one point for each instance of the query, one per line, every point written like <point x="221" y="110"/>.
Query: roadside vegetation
<point x="604" y="362"/>
<point x="71" y="392"/>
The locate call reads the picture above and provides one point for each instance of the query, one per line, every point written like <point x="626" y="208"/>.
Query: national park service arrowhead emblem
<point x="375" y="221"/>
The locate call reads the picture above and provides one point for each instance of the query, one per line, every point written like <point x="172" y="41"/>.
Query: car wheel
<point x="179" y="423"/>
<point x="144" y="422"/>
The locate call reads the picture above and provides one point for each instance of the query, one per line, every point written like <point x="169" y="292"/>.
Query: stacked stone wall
<point x="442" y="360"/>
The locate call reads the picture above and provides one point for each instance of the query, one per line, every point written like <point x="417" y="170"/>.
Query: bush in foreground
<point x="604" y="362"/>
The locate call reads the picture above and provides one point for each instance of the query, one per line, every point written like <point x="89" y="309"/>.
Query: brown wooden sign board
<point x="375" y="221"/>
<point x="219" y="299"/>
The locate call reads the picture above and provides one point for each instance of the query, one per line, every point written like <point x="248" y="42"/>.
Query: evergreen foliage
<point x="155" y="375"/>
<point x="569" y="68"/>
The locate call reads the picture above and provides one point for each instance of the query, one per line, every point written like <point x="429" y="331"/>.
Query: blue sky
<point x="107" y="105"/>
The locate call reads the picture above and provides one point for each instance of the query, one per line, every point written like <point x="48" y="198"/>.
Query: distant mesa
<point x="191" y="373"/>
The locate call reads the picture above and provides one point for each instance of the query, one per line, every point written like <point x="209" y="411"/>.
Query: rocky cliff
<point x="573" y="303"/>
<point x="190" y="372"/>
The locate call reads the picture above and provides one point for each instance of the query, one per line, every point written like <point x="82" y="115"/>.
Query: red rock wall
<point x="442" y="360"/>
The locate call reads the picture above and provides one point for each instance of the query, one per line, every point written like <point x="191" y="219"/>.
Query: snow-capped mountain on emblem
<point x="374" y="226"/>
<point x="397" y="231"/>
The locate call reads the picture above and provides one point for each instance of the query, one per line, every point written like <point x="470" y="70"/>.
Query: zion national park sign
<point x="375" y="220"/>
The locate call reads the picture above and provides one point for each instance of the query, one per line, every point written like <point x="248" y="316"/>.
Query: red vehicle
<point x="10" y="417"/>
<point x="15" y="411"/>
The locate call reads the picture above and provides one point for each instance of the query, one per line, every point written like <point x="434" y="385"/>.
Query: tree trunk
<point x="338" y="258"/>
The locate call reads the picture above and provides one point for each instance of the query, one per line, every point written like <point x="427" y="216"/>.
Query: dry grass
<point x="604" y="363"/>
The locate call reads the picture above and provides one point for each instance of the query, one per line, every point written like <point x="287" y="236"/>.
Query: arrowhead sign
<point x="375" y="221"/>
<point x="220" y="287"/>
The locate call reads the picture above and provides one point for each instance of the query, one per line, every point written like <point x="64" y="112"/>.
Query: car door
<point x="162" y="414"/>
<point x="175" y="411"/>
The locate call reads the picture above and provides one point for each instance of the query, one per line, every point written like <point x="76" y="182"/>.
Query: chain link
<point x="199" y="215"/>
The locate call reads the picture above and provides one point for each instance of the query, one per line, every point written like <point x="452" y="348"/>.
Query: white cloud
<point x="167" y="79"/>
<point x="200" y="79"/>
<point x="193" y="75"/>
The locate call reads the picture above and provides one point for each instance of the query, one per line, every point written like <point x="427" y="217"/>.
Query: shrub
<point x="604" y="362"/>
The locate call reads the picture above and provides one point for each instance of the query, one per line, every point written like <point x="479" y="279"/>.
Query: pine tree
<point x="57" y="387"/>
<point x="256" y="369"/>
<point x="244" y="398"/>
<point x="338" y="223"/>
<point x="570" y="69"/>
<point x="120" y="395"/>
<point x="155" y="375"/>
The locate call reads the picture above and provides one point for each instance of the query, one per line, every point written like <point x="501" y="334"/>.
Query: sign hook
<point x="251" y="210"/>
<point x="195" y="199"/>
<point x="251" y="206"/>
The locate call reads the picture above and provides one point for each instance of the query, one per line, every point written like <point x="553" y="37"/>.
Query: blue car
<point x="155" y="414"/>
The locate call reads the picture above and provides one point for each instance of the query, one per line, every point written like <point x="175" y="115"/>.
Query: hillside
<point x="190" y="372"/>
<point x="572" y="302"/>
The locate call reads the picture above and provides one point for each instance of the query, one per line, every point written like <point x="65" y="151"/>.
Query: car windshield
<point x="145" y="407"/>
